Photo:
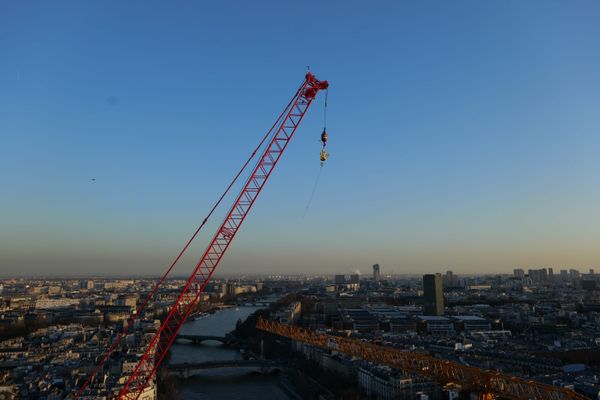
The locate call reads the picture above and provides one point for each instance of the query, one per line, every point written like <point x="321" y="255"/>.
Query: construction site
<point x="285" y="201"/>
<point x="459" y="380"/>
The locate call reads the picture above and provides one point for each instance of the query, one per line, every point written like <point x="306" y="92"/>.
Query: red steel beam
<point x="156" y="351"/>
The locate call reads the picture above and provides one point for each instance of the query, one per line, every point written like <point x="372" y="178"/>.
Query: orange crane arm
<point x="443" y="371"/>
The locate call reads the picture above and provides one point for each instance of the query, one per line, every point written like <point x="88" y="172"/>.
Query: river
<point x="233" y="384"/>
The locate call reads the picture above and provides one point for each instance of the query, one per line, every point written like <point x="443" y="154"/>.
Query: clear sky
<point x="464" y="135"/>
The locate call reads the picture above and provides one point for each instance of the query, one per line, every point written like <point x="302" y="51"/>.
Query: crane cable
<point x="310" y="199"/>
<point x="313" y="192"/>
<point x="150" y="296"/>
<point x="325" y="110"/>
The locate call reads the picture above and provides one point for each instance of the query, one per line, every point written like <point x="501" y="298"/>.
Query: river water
<point x="229" y="384"/>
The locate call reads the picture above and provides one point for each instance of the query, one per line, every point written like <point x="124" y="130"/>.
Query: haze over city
<point x="463" y="135"/>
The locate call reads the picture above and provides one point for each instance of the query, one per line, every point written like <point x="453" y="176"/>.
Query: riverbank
<point x="305" y="378"/>
<point x="296" y="379"/>
<point x="233" y="384"/>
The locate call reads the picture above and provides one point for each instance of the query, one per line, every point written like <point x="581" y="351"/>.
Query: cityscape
<point x="334" y="200"/>
<point x="532" y="324"/>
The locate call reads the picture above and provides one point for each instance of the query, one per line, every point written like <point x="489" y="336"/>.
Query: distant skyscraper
<point x="538" y="275"/>
<point x="433" y="294"/>
<point x="376" y="273"/>
<point x="519" y="273"/>
<point x="450" y="280"/>
<point x="230" y="288"/>
<point x="354" y="278"/>
<point x="340" y="279"/>
<point x="573" y="273"/>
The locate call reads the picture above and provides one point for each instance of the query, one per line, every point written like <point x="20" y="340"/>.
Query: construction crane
<point x="489" y="385"/>
<point x="280" y="134"/>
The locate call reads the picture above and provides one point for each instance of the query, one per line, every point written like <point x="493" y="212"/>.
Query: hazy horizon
<point x="257" y="275"/>
<point x="463" y="136"/>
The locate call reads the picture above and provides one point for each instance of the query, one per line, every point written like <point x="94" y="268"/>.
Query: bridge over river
<point x="185" y="370"/>
<point x="198" y="339"/>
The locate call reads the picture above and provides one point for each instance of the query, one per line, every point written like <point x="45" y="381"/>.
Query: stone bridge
<point x="198" y="339"/>
<point x="185" y="370"/>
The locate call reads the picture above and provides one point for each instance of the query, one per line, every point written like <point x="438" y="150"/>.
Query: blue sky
<point x="463" y="135"/>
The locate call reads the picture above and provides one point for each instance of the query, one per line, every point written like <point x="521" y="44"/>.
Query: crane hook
<point x="323" y="156"/>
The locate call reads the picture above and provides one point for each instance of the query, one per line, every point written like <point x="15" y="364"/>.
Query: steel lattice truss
<point x="157" y="350"/>
<point x="443" y="371"/>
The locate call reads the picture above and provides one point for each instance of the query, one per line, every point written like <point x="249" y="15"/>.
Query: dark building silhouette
<point x="376" y="274"/>
<point x="433" y="294"/>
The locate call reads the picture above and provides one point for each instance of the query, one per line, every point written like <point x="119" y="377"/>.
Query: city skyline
<point x="540" y="320"/>
<point x="463" y="137"/>
<point x="520" y="272"/>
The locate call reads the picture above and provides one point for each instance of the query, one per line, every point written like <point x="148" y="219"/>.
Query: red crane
<point x="282" y="132"/>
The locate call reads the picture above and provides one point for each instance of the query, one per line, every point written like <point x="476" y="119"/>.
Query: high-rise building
<point x="573" y="274"/>
<point x="376" y="273"/>
<point x="519" y="273"/>
<point x="538" y="275"/>
<point x="355" y="278"/>
<point x="340" y="279"/>
<point x="450" y="280"/>
<point x="433" y="294"/>
<point x="230" y="288"/>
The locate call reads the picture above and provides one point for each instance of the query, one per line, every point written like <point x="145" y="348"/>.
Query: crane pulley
<point x="324" y="154"/>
